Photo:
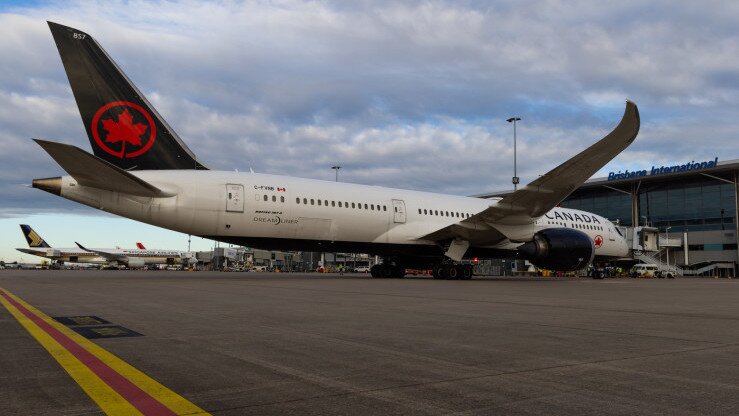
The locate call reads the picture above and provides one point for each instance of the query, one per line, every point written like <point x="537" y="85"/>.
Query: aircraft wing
<point x="105" y="254"/>
<point x="94" y="172"/>
<point x="538" y="197"/>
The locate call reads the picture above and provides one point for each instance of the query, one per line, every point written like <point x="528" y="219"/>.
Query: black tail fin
<point x="123" y="128"/>
<point x="33" y="239"/>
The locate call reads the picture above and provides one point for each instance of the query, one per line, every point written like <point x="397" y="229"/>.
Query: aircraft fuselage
<point x="280" y="212"/>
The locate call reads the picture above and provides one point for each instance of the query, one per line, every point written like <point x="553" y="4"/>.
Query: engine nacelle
<point x="561" y="249"/>
<point x="134" y="263"/>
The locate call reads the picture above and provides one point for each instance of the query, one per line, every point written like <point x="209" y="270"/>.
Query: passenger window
<point x="325" y="202"/>
<point x="312" y="201"/>
<point x="319" y="202"/>
<point x="419" y="210"/>
<point x="265" y="197"/>
<point x="305" y="201"/>
<point x="425" y="212"/>
<point x="346" y="204"/>
<point x="339" y="204"/>
<point x="359" y="205"/>
<point x="333" y="203"/>
<point x="282" y="199"/>
<point x="384" y="208"/>
<point x="274" y="198"/>
<point x="297" y="200"/>
<point x="352" y="204"/>
<point x="365" y="206"/>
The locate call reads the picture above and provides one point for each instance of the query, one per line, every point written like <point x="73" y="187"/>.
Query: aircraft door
<point x="234" y="198"/>
<point x="398" y="211"/>
<point x="611" y="236"/>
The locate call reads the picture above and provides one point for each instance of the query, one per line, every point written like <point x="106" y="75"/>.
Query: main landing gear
<point x="445" y="271"/>
<point x="452" y="271"/>
<point x="387" y="271"/>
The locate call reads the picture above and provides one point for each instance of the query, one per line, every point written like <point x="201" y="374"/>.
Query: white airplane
<point x="132" y="258"/>
<point x="142" y="170"/>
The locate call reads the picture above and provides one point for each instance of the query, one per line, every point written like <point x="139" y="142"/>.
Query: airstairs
<point x="648" y="246"/>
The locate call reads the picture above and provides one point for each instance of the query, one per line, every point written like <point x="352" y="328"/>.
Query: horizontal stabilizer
<point x="94" y="172"/>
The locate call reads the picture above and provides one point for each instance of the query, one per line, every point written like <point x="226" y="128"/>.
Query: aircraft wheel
<point x="466" y="272"/>
<point x="449" y="272"/>
<point x="436" y="271"/>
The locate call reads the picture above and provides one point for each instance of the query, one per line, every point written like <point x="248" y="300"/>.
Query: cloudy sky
<point x="403" y="94"/>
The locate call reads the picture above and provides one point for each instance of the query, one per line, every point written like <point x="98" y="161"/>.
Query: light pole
<point x="515" y="179"/>
<point x="336" y="168"/>
<point x="667" y="249"/>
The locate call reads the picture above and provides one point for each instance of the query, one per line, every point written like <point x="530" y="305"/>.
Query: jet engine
<point x="561" y="249"/>
<point x="135" y="263"/>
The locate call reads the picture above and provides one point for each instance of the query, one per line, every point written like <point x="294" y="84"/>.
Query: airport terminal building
<point x="694" y="206"/>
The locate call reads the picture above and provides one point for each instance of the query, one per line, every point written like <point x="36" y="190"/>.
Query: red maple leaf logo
<point x="598" y="241"/>
<point x="124" y="130"/>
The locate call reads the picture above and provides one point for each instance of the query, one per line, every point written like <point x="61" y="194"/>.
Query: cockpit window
<point x="618" y="231"/>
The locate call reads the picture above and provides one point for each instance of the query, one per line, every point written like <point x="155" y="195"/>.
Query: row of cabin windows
<point x="274" y="198"/>
<point x="371" y="207"/>
<point x="443" y="213"/>
<point x="576" y="225"/>
<point x="340" y="204"/>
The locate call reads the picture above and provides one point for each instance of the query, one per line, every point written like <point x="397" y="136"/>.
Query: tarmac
<point x="320" y="344"/>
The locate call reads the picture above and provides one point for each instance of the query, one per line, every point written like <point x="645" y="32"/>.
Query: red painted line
<point x="129" y="391"/>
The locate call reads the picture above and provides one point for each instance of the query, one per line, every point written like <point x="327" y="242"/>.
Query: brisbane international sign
<point x="662" y="170"/>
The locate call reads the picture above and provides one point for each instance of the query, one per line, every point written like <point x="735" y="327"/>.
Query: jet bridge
<point x="641" y="239"/>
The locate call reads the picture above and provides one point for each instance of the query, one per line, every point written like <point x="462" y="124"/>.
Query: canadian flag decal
<point x="280" y="189"/>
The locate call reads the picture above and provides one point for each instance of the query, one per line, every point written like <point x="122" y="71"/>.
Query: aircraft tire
<point x="449" y="272"/>
<point x="466" y="272"/>
<point x="436" y="271"/>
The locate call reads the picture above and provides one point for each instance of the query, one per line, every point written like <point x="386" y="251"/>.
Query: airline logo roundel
<point x="123" y="129"/>
<point x="598" y="241"/>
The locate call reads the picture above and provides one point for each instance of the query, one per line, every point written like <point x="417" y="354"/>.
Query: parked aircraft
<point x="142" y="170"/>
<point x="133" y="258"/>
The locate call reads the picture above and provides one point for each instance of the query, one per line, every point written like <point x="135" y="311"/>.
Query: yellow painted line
<point x="107" y="396"/>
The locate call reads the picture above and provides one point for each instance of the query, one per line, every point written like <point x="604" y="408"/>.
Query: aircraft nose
<point x="51" y="185"/>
